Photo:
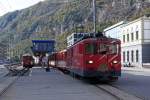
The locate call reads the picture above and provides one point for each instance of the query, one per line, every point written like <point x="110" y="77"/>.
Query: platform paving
<point x="53" y="85"/>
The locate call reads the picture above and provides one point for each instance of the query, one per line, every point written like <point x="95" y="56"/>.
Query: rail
<point x="117" y="93"/>
<point x="15" y="69"/>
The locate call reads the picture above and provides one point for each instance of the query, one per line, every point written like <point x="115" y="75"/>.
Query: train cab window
<point x="90" y="48"/>
<point x="113" y="49"/>
<point x="102" y="49"/>
<point x="75" y="35"/>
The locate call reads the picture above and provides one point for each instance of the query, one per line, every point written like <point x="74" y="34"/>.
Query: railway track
<point x="9" y="79"/>
<point x="15" y="69"/>
<point x="117" y="93"/>
<point x="111" y="90"/>
<point x="18" y="72"/>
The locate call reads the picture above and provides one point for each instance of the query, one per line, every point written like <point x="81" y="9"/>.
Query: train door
<point x="103" y="57"/>
<point x="114" y="57"/>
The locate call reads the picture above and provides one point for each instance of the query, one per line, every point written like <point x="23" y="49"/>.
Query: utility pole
<point x="94" y="15"/>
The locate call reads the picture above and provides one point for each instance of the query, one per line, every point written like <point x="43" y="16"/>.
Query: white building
<point x="114" y="30"/>
<point x="73" y="38"/>
<point x="136" y="42"/>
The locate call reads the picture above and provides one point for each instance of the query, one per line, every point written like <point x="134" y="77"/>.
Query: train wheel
<point x="113" y="79"/>
<point x="72" y="74"/>
<point x="66" y="72"/>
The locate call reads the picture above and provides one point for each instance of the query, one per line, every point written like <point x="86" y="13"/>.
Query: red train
<point x="91" y="57"/>
<point x="27" y="61"/>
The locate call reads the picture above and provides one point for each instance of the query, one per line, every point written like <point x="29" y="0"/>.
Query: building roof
<point x="136" y="20"/>
<point x="115" y="25"/>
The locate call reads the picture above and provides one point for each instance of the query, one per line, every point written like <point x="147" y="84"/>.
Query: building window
<point x="127" y="37"/>
<point x="137" y="35"/>
<point x="132" y="56"/>
<point x="124" y="38"/>
<point x="124" y="56"/>
<point x="137" y="56"/>
<point x="132" y="37"/>
<point x="127" y="56"/>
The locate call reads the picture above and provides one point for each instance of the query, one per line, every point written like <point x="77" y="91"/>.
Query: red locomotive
<point x="27" y="61"/>
<point x="92" y="57"/>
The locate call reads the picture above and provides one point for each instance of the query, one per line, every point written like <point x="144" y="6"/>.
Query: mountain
<point x="46" y="20"/>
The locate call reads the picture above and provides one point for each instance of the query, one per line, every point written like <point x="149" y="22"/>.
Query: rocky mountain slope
<point x="46" y="20"/>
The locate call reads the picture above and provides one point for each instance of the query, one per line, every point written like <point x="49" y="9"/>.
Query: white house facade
<point x="73" y="38"/>
<point x="136" y="42"/>
<point x="114" y="30"/>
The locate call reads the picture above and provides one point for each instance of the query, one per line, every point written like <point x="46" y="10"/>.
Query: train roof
<point x="97" y="36"/>
<point x="95" y="39"/>
<point x="27" y="54"/>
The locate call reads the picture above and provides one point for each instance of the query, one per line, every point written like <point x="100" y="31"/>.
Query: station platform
<point x="53" y="85"/>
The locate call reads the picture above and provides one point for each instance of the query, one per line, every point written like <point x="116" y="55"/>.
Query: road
<point x="137" y="83"/>
<point x="54" y="85"/>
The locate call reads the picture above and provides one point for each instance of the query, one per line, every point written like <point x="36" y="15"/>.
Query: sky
<point x="12" y="5"/>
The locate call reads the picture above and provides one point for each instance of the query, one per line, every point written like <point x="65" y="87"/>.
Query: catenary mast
<point x="94" y="16"/>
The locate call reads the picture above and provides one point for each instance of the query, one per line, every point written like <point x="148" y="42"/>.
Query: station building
<point x="135" y="41"/>
<point x="114" y="30"/>
<point x="73" y="38"/>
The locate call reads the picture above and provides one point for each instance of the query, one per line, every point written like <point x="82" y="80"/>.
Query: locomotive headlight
<point x="90" y="62"/>
<point x="115" y="62"/>
<point x="49" y="62"/>
<point x="53" y="63"/>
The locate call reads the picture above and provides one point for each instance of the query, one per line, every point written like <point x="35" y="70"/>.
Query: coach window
<point x="90" y="48"/>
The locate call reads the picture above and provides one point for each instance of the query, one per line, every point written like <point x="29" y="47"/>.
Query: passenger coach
<point x="27" y="61"/>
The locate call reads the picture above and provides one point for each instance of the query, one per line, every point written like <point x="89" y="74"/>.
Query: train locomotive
<point x="92" y="57"/>
<point x="27" y="61"/>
